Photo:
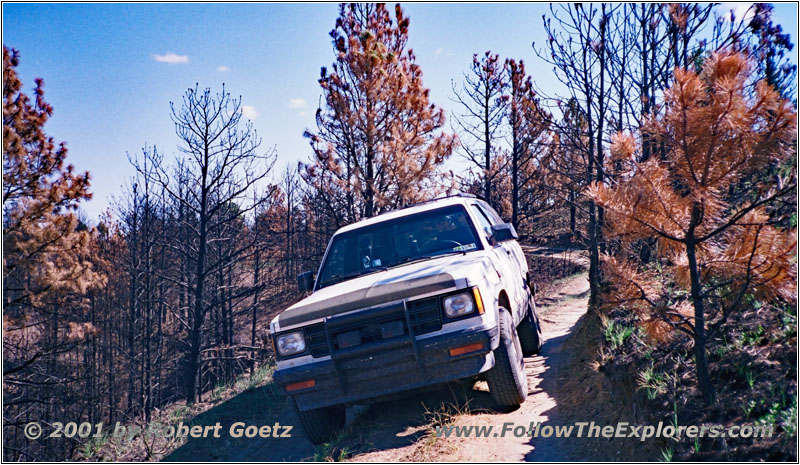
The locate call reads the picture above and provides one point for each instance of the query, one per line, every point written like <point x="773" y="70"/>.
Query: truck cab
<point x="424" y="295"/>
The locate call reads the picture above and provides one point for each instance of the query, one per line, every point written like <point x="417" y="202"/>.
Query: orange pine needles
<point x="702" y="199"/>
<point x="44" y="252"/>
<point x="379" y="141"/>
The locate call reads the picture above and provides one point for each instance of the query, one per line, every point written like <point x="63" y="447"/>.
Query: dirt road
<point x="559" y="313"/>
<point x="403" y="430"/>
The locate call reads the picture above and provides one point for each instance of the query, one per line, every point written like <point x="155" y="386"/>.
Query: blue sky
<point x="110" y="70"/>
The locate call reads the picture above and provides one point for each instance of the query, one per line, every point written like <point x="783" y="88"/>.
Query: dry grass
<point x="144" y="440"/>
<point x="753" y="369"/>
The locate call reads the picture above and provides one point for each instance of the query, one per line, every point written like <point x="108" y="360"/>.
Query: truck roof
<point x="459" y="199"/>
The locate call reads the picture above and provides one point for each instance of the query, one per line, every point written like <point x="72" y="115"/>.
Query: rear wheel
<point x="321" y="424"/>
<point x="507" y="381"/>
<point x="530" y="331"/>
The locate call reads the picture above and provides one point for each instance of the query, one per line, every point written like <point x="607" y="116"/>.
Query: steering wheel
<point x="435" y="246"/>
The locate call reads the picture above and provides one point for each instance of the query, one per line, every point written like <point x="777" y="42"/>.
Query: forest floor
<point x="564" y="388"/>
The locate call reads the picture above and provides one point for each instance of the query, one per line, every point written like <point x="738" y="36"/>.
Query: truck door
<point x="507" y="261"/>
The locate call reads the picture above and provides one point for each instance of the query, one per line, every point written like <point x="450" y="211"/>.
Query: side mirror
<point x="305" y="281"/>
<point x="503" y="232"/>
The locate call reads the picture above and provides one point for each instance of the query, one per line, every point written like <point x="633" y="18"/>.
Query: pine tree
<point x="484" y="104"/>
<point x="47" y="268"/>
<point x="216" y="185"/>
<point x="710" y="251"/>
<point x="567" y="162"/>
<point x="42" y="248"/>
<point x="529" y="124"/>
<point x="379" y="141"/>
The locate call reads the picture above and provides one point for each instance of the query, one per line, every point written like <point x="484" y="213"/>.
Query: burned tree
<point x="218" y="184"/>
<point x="378" y="143"/>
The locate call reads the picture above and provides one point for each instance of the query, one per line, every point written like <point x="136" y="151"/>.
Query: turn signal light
<point x="466" y="349"/>
<point x="478" y="300"/>
<point x="301" y="385"/>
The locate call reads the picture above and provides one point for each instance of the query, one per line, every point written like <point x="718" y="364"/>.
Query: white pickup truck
<point x="427" y="294"/>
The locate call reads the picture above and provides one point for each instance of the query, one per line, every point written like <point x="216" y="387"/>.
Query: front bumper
<point x="391" y="366"/>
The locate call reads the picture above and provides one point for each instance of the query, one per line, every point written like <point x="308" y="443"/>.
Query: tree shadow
<point x="387" y="425"/>
<point x="406" y="419"/>
<point x="393" y="423"/>
<point x="260" y="406"/>
<point x="581" y="395"/>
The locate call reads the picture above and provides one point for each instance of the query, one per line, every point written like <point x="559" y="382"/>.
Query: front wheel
<point x="508" y="383"/>
<point x="321" y="424"/>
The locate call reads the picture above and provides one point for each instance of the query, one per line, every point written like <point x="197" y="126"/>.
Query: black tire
<point x="321" y="424"/>
<point x="508" y="383"/>
<point x="530" y="332"/>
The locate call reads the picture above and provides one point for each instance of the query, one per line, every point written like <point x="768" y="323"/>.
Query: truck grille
<point x="424" y="315"/>
<point x="316" y="340"/>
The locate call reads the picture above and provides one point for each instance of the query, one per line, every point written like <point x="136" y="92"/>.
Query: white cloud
<point x="438" y="51"/>
<point x="297" y="103"/>
<point x="741" y="10"/>
<point x="223" y="69"/>
<point x="303" y="113"/>
<point x="249" y="112"/>
<point x="171" y="58"/>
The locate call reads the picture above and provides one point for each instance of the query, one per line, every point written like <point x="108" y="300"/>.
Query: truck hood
<point x="406" y="281"/>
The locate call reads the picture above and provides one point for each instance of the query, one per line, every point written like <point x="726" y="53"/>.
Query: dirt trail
<point x="559" y="312"/>
<point x="402" y="430"/>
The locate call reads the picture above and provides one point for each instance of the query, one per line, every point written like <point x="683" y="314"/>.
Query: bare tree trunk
<point x="256" y="283"/>
<point x="487" y="154"/>
<point x="572" y="211"/>
<point x="703" y="378"/>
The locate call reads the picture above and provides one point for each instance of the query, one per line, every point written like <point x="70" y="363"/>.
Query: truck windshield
<point x="397" y="242"/>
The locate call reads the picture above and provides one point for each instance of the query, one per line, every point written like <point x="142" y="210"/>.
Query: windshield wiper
<point x="365" y="271"/>
<point x="337" y="278"/>
<point x="332" y="280"/>
<point x="410" y="260"/>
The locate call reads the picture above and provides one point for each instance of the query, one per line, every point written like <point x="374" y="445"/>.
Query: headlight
<point x="292" y="343"/>
<point x="458" y="305"/>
